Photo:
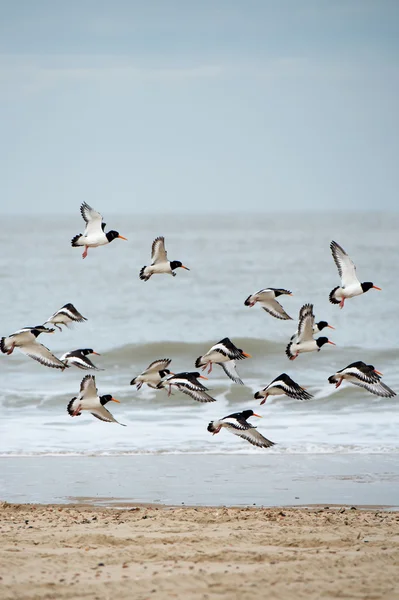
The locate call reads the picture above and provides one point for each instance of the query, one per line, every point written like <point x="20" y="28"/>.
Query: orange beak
<point x="376" y="288"/>
<point x="202" y="377"/>
<point x="183" y="267"/>
<point x="96" y="353"/>
<point x="332" y="343"/>
<point x="247" y="355"/>
<point x="115" y="400"/>
<point x="122" y="238"/>
<point x="330" y="326"/>
<point x="255" y="415"/>
<point x="378" y="372"/>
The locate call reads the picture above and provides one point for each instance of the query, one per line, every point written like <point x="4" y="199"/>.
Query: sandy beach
<point x="142" y="552"/>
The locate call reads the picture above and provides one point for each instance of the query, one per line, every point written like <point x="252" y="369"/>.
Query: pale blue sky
<point x="178" y="105"/>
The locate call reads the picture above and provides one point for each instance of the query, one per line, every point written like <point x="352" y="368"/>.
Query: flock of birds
<point x="225" y="354"/>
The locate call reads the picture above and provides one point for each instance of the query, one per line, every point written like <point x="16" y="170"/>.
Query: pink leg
<point x="170" y="390"/>
<point x="85" y="252"/>
<point x="264" y="399"/>
<point x="204" y="367"/>
<point x="341" y="304"/>
<point x="294" y="357"/>
<point x="76" y="412"/>
<point x="210" y="368"/>
<point x="338" y="382"/>
<point x="11" y="350"/>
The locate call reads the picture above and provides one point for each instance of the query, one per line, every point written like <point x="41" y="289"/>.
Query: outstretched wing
<point x="92" y="218"/>
<point x="104" y="415"/>
<point x="290" y="387"/>
<point x="157" y="365"/>
<point x="198" y="395"/>
<point x="306" y="322"/>
<point x="42" y="355"/>
<point x="275" y="309"/>
<point x="250" y="434"/>
<point x="158" y="252"/>
<point x="378" y="388"/>
<point x="230" y="369"/>
<point x="88" y="387"/>
<point x="345" y="265"/>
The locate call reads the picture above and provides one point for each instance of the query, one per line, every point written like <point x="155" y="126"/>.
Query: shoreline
<point x="72" y="552"/>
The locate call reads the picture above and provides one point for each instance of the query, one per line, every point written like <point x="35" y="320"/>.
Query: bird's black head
<point x="246" y="414"/>
<point x="175" y="264"/>
<point x="321" y="325"/>
<point x="367" y="285"/>
<point x="86" y="351"/>
<point x="111" y="235"/>
<point x="164" y="372"/>
<point x="321" y="341"/>
<point x="107" y="398"/>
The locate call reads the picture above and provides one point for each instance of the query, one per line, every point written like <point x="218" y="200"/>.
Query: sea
<point x="132" y="323"/>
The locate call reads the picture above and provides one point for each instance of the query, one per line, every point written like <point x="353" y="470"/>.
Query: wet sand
<point x="144" y="552"/>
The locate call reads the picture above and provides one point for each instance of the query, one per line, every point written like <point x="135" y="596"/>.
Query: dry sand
<point x="56" y="552"/>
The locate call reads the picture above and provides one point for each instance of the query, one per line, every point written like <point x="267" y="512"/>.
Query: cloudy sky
<point x="180" y="105"/>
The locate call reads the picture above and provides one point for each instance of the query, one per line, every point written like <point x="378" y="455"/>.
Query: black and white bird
<point x="187" y="383"/>
<point x="237" y="424"/>
<point x="317" y="327"/>
<point x="160" y="262"/>
<point x="224" y="354"/>
<point x="79" y="358"/>
<point x="365" y="376"/>
<point x="65" y="316"/>
<point x="26" y="341"/>
<point x="283" y="385"/>
<point x="304" y="341"/>
<point x="350" y="284"/>
<point x="88" y="399"/>
<point x="153" y="374"/>
<point x="267" y="300"/>
<point x="94" y="234"/>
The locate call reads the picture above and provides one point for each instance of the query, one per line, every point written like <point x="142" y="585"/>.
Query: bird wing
<point x="249" y="433"/>
<point x="305" y="326"/>
<point x="345" y="265"/>
<point x="83" y="362"/>
<point x="368" y="376"/>
<point x="88" y="387"/>
<point x="275" y="309"/>
<point x="68" y="311"/>
<point x="157" y="365"/>
<point x="378" y="388"/>
<point x="92" y="218"/>
<point x="104" y="415"/>
<point x="158" y="252"/>
<point x="290" y="388"/>
<point x="182" y="381"/>
<point x="230" y="369"/>
<point x="42" y="355"/>
<point x="198" y="395"/>
<point x="227" y="348"/>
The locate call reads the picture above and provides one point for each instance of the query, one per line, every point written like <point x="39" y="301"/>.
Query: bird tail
<point x="288" y="350"/>
<point x="142" y="274"/>
<point x="211" y="427"/>
<point x="133" y="382"/>
<point x="332" y="379"/>
<point x="3" y="346"/>
<point x="198" y="362"/>
<point x="247" y="302"/>
<point x="74" y="241"/>
<point x="331" y="296"/>
<point x="258" y="396"/>
<point x="70" y="408"/>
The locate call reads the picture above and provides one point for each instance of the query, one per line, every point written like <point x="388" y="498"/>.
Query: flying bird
<point x="94" y="234"/>
<point x="350" y="284"/>
<point x="283" y="385"/>
<point x="26" y="341"/>
<point x="187" y="382"/>
<point x="317" y="327"/>
<point x="153" y="374"/>
<point x="65" y="316"/>
<point x="79" y="358"/>
<point x="224" y="354"/>
<point x="88" y="399"/>
<point x="365" y="376"/>
<point x="267" y="300"/>
<point x="160" y="262"/>
<point x="304" y="341"/>
<point x="237" y="424"/>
